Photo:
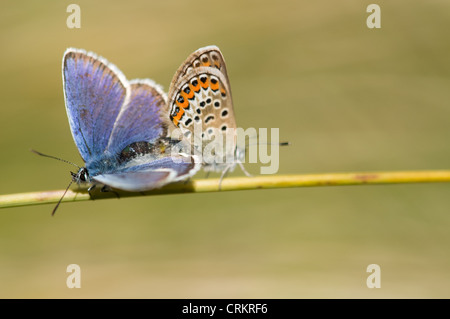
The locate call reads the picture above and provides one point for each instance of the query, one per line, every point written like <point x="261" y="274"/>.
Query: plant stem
<point x="234" y="184"/>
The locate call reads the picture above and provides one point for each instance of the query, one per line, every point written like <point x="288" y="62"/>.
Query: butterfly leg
<point x="106" y="189"/>
<point x="90" y="189"/>
<point x="224" y="173"/>
<point x="244" y="170"/>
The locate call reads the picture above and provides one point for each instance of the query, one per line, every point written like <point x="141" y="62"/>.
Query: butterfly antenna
<point x="279" y="144"/>
<point x="54" y="157"/>
<point x="60" y="200"/>
<point x="257" y="136"/>
<point x="241" y="165"/>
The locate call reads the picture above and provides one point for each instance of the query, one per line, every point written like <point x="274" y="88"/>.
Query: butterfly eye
<point x="84" y="175"/>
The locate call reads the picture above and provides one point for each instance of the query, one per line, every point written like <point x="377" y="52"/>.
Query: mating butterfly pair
<point x="123" y="129"/>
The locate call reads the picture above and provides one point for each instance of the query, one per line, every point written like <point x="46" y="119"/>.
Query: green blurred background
<point x="347" y="97"/>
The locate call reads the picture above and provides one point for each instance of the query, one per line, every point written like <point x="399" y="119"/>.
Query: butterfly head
<point x="82" y="176"/>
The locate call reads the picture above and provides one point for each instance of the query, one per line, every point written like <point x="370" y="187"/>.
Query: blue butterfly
<point x="118" y="127"/>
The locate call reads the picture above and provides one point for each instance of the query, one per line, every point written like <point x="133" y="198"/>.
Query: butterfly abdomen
<point x="138" y="149"/>
<point x="133" y="150"/>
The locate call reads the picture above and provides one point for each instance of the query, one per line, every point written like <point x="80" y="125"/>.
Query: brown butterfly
<point x="200" y="104"/>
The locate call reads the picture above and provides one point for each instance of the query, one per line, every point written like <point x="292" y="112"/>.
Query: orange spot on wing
<point x="187" y="96"/>
<point x="206" y="84"/>
<point x="177" y="117"/>
<point x="183" y="105"/>
<point x="215" y="86"/>
<point x="195" y="88"/>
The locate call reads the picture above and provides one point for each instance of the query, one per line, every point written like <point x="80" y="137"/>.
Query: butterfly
<point x="201" y="106"/>
<point x="118" y="127"/>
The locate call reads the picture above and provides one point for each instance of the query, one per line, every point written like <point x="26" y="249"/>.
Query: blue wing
<point x="94" y="92"/>
<point x="152" y="175"/>
<point x="140" y="119"/>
